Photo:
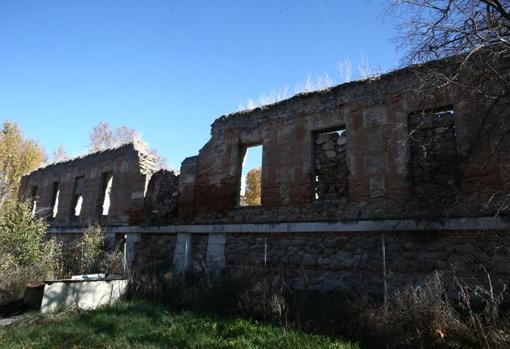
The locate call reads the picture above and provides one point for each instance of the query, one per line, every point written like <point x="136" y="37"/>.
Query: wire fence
<point x="373" y="263"/>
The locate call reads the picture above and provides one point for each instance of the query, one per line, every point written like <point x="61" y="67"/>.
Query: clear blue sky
<point x="168" y="68"/>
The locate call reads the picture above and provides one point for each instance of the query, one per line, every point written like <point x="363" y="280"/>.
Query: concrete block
<point x="81" y="294"/>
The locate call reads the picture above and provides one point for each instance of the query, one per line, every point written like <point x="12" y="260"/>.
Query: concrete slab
<point x="83" y="294"/>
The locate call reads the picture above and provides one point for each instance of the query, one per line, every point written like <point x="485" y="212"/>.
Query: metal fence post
<point x="385" y="283"/>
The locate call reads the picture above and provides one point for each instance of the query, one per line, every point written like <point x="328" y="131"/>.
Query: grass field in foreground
<point x="149" y="325"/>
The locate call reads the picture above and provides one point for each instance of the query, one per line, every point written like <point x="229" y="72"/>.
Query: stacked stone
<point x="155" y="250"/>
<point x="317" y="261"/>
<point x="331" y="174"/>
<point x="161" y="199"/>
<point x="434" y="153"/>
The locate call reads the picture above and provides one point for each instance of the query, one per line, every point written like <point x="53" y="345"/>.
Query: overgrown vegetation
<point x="147" y="325"/>
<point x="429" y="316"/>
<point x="90" y="254"/>
<point x="24" y="254"/>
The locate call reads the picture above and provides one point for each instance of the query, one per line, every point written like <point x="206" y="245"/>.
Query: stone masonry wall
<point x="331" y="173"/>
<point x="156" y="251"/>
<point x="379" y="116"/>
<point x="434" y="160"/>
<point x="353" y="262"/>
<point x="131" y="168"/>
<point x="161" y="201"/>
<point x="199" y="252"/>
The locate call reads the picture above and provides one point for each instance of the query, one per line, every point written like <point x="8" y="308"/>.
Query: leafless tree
<point x="103" y="137"/>
<point x="60" y="155"/>
<point x="475" y="34"/>
<point x="470" y="39"/>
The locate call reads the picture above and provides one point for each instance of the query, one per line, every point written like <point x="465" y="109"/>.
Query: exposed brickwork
<point x="131" y="168"/>
<point x="399" y="153"/>
<point x="391" y="157"/>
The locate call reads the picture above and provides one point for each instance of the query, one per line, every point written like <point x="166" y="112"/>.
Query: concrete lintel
<point x="449" y="224"/>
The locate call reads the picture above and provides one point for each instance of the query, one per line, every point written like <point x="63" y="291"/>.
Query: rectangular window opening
<point x="330" y="175"/>
<point x="33" y="199"/>
<point x="55" y="193"/>
<point x="250" y="189"/>
<point x="106" y="190"/>
<point x="434" y="160"/>
<point x="77" y="203"/>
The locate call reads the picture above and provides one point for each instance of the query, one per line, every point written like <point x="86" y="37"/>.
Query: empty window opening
<point x="106" y="190"/>
<point x="434" y="161"/>
<point x="33" y="199"/>
<point x="55" y="193"/>
<point x="331" y="175"/>
<point x="250" y="192"/>
<point x="79" y="183"/>
<point x="78" y="206"/>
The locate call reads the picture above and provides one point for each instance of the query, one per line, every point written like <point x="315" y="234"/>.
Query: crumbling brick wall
<point x="131" y="167"/>
<point x="391" y="157"/>
<point x="161" y="199"/>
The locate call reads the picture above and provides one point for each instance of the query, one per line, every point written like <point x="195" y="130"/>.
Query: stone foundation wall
<point x="352" y="262"/>
<point x="155" y="250"/>
<point x="469" y="257"/>
<point x="199" y="252"/>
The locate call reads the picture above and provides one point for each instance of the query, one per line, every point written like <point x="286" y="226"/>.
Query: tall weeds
<point x="427" y="316"/>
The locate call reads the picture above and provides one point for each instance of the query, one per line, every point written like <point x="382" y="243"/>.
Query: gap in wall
<point x="331" y="176"/>
<point x="250" y="193"/>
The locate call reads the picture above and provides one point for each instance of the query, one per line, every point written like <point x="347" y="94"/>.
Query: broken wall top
<point x="382" y="181"/>
<point x="130" y="168"/>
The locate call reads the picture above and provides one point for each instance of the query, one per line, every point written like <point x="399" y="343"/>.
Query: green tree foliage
<point x="90" y="255"/>
<point x="25" y="255"/>
<point x="93" y="248"/>
<point x="18" y="157"/>
<point x="21" y="234"/>
<point x="252" y="194"/>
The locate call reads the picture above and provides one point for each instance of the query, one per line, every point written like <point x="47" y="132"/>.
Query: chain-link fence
<point x="369" y="263"/>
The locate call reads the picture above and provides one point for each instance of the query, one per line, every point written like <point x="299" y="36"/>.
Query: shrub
<point x="24" y="254"/>
<point x="92" y="249"/>
<point x="21" y="234"/>
<point x="90" y="255"/>
<point x="428" y="316"/>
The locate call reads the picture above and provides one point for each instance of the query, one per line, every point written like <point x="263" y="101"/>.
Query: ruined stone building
<point x="357" y="179"/>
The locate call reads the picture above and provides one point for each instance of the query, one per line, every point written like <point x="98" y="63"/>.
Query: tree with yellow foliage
<point x="18" y="157"/>
<point x="252" y="194"/>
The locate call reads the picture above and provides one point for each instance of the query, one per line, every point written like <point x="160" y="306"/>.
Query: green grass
<point x="148" y="325"/>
